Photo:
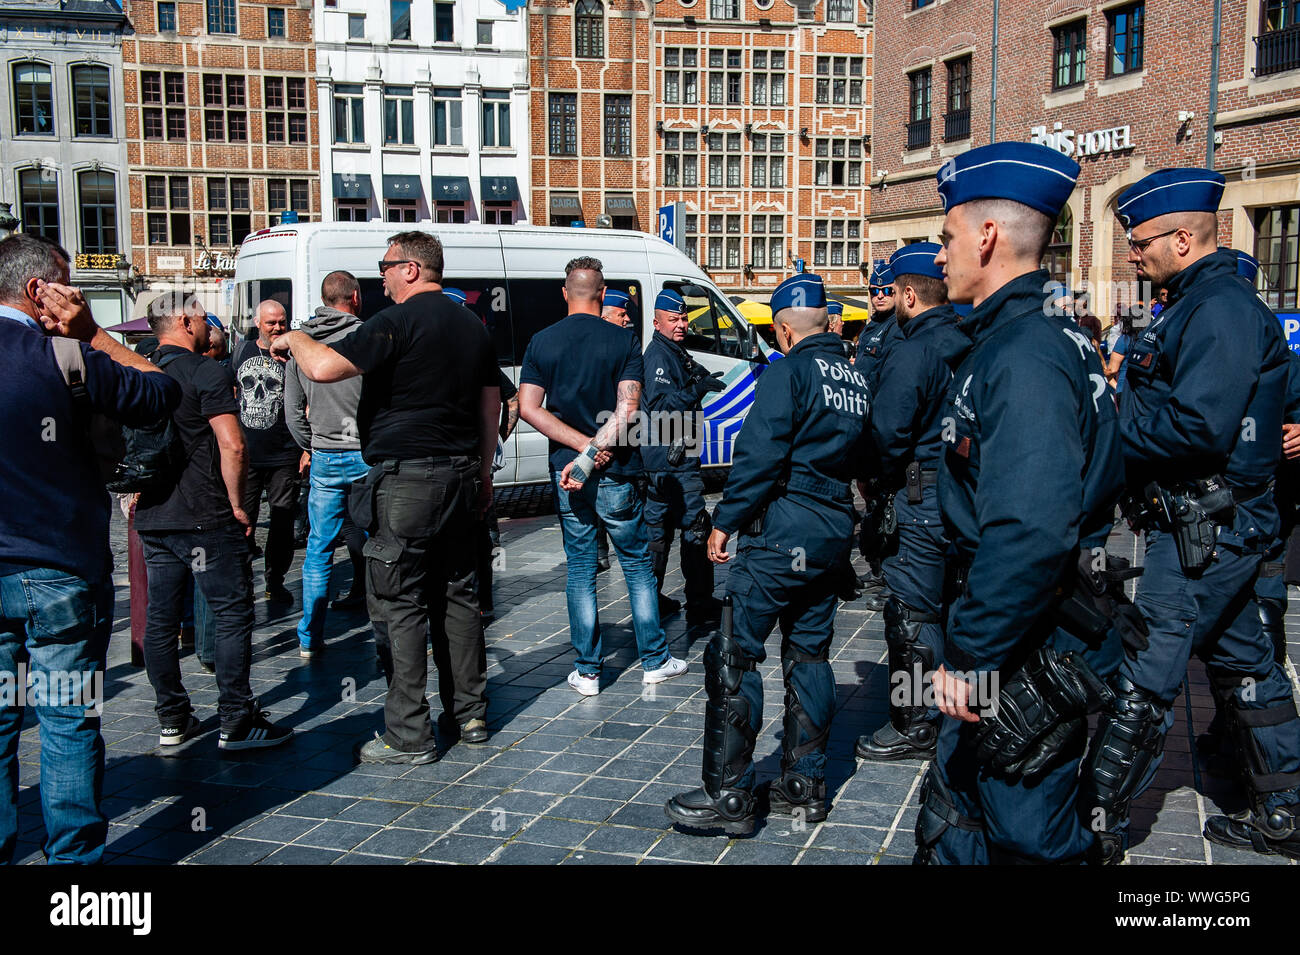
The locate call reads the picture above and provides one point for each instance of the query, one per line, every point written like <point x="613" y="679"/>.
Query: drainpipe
<point x="1214" y="85"/>
<point x="993" y="97"/>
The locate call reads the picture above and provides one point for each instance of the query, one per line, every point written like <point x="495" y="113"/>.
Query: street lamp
<point x="8" y="223"/>
<point x="129" y="277"/>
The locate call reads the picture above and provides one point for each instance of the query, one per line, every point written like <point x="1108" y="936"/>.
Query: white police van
<point x="513" y="277"/>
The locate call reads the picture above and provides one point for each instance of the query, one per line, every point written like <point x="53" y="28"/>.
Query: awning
<point x="565" y="204"/>
<point x="401" y="187"/>
<point x="620" y="205"/>
<point x="500" y="188"/>
<point x="349" y="185"/>
<point x="451" y="189"/>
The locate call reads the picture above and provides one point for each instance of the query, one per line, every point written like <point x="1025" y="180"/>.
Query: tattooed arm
<point x="629" y="400"/>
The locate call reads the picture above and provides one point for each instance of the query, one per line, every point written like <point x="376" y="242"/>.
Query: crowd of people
<point x="991" y="449"/>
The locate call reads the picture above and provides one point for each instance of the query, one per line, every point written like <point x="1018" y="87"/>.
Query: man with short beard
<point x="1201" y="415"/>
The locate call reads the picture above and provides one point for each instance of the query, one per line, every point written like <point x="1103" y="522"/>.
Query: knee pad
<point x="1260" y="777"/>
<point x="938" y="814"/>
<point x="1272" y="619"/>
<point x="1129" y="741"/>
<point x="728" y="736"/>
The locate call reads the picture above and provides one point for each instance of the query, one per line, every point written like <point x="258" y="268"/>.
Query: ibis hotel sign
<point x="1098" y="142"/>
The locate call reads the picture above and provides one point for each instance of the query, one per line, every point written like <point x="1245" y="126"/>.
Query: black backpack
<point x="147" y="459"/>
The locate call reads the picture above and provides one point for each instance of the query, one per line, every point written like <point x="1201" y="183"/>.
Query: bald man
<point x="275" y="462"/>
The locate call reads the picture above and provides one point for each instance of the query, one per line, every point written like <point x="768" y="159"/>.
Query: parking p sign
<point x="672" y="222"/>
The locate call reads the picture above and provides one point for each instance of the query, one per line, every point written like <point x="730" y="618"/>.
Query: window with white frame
<point x="447" y="124"/>
<point x="496" y="118"/>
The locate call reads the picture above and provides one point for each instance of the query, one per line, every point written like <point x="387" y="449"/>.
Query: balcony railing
<point x="1277" y="50"/>
<point x="918" y="133"/>
<point x="956" y="125"/>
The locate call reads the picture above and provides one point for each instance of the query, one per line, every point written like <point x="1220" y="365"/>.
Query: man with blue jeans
<point x="331" y="434"/>
<point x="584" y="368"/>
<point x="56" y="585"/>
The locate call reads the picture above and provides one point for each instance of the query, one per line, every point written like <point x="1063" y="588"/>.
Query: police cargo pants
<point x="971" y="815"/>
<point x="675" y="499"/>
<point x="915" y="574"/>
<point x="768" y="588"/>
<point x="1216" y="617"/>
<point x="423" y="541"/>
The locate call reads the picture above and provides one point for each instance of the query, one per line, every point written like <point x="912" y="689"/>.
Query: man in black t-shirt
<point x="199" y="525"/>
<point x="430" y="403"/>
<point x="275" y="462"/>
<point x="588" y="372"/>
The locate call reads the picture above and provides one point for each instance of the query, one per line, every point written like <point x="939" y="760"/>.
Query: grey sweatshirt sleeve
<point x="295" y="407"/>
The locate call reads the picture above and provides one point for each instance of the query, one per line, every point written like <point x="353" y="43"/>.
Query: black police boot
<point x="796" y="795"/>
<point x="728" y="744"/>
<point x="1268" y="832"/>
<point x="887" y="743"/>
<point x="909" y="734"/>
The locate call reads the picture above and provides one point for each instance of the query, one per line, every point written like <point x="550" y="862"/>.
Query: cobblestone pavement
<point x="563" y="779"/>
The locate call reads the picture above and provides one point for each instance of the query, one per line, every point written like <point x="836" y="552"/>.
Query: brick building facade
<point x="756" y="116"/>
<point x="222" y="134"/>
<point x="1124" y="88"/>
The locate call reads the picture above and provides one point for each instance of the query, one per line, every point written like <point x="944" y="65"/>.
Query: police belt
<point x="1241" y="495"/>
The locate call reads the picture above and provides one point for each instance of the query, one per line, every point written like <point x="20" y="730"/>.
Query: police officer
<point x="1202" y="406"/>
<point x="788" y="497"/>
<point x="1030" y="474"/>
<point x="835" y="311"/>
<point x="1270" y="586"/>
<point x="906" y="421"/>
<point x="675" y="389"/>
<point x="614" y="308"/>
<point x="878" y="537"/>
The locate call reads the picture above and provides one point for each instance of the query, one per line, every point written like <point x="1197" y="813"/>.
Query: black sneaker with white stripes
<point x="254" y="732"/>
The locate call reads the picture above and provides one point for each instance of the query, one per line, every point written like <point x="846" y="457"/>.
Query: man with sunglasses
<point x="428" y="415"/>
<point x="1200" y="418"/>
<point x="877" y="539"/>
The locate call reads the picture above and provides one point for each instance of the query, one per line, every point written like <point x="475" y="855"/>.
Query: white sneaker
<point x="674" y="667"/>
<point x="584" y="684"/>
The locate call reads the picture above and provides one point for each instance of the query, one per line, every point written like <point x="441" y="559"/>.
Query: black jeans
<point x="281" y="484"/>
<point x="420" y="565"/>
<point x="222" y="569"/>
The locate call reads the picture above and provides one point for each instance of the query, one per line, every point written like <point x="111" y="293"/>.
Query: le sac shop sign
<point x="1096" y="143"/>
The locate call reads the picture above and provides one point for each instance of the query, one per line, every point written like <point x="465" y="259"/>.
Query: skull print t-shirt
<point x="260" y="381"/>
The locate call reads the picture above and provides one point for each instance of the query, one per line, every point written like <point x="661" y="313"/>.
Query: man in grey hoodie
<point x="323" y="420"/>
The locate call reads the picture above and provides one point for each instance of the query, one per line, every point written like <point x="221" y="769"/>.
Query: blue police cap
<point x="456" y="295"/>
<point x="616" y="299"/>
<point x="1027" y="173"/>
<point x="1247" y="264"/>
<point x="1169" y="190"/>
<point x="213" y="321"/>
<point x="799" y="291"/>
<point x="917" y="259"/>
<point x="669" y="301"/>
<point x="835" y="308"/>
<point x="881" y="274"/>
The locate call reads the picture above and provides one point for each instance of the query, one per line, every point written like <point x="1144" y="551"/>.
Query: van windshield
<point x="249" y="294"/>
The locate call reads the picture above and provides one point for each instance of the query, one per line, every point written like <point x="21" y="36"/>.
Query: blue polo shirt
<point x="579" y="362"/>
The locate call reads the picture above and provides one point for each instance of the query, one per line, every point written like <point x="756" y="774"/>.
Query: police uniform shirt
<point x="667" y="372"/>
<point x="1032" y="466"/>
<point x="579" y="361"/>
<point x="907" y="407"/>
<point x="806" y="425"/>
<point x="1206" y="382"/>
<point x="874" y="346"/>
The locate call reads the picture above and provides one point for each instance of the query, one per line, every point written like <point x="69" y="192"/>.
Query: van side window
<point x="489" y="299"/>
<point x="712" y="328"/>
<point x="545" y="305"/>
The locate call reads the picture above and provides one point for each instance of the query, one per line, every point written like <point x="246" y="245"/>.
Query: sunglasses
<point x="882" y="290"/>
<point x="386" y="264"/>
